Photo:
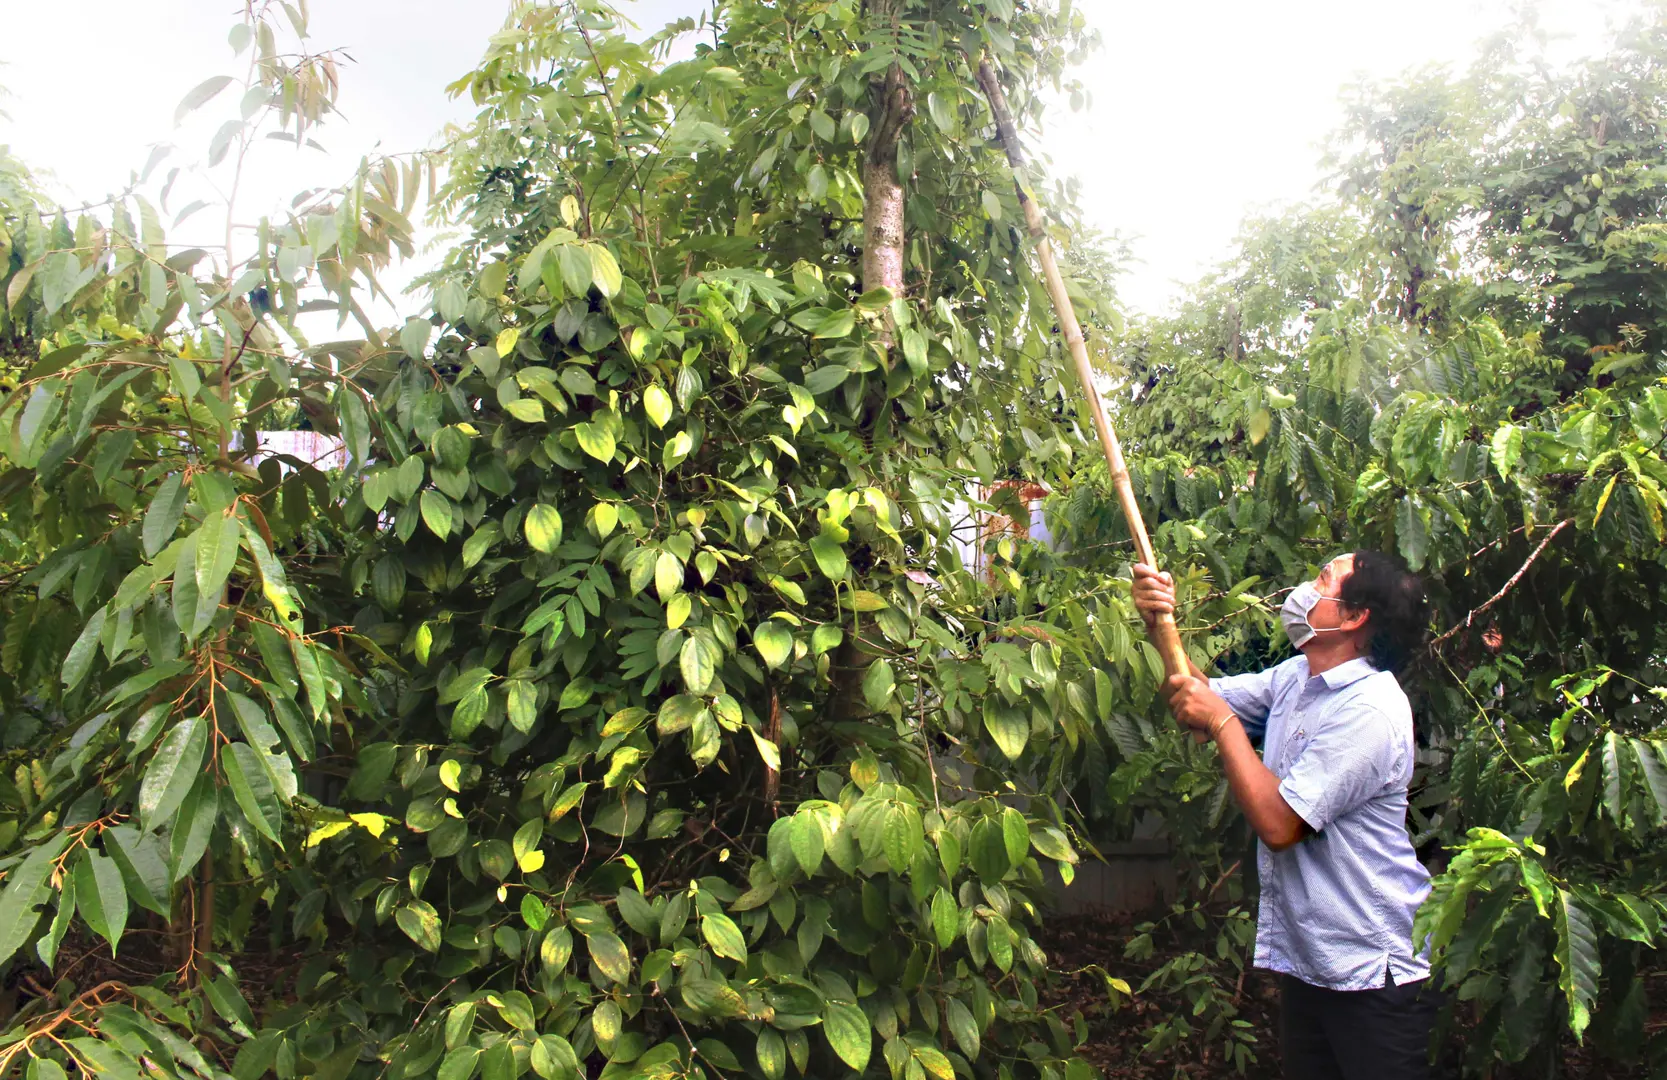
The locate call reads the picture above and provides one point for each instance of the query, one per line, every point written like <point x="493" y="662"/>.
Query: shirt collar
<point x="1350" y="671"/>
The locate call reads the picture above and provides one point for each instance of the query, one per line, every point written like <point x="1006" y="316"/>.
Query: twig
<point x="1222" y="880"/>
<point x="92" y="998"/>
<point x="1464" y="624"/>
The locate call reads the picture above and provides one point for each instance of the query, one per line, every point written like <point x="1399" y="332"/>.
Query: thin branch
<point x="1464" y="624"/>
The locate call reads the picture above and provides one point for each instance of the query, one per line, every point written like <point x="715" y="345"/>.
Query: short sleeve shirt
<point x="1336" y="909"/>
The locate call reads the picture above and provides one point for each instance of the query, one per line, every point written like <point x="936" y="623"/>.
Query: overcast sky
<point x="1202" y="111"/>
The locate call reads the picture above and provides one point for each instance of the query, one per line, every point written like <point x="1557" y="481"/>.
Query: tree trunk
<point x="891" y="105"/>
<point x="882" y="188"/>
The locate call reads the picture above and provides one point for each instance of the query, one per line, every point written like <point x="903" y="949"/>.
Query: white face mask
<point x="1294" y="614"/>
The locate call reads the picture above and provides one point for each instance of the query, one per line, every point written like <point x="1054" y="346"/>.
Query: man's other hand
<point x="1154" y="593"/>
<point x="1194" y="703"/>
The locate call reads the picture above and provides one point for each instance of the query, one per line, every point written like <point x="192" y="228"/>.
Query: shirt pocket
<point x="1295" y="743"/>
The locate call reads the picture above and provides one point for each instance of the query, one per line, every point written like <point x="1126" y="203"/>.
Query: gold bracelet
<point x="1215" y="728"/>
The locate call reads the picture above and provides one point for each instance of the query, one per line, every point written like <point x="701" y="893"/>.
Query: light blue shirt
<point x="1336" y="908"/>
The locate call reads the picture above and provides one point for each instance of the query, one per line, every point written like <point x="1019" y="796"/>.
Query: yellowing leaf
<point x="604" y="269"/>
<point x="595" y="440"/>
<point x="543" y="528"/>
<point x="325" y="831"/>
<point x="774" y="642"/>
<point x="657" y="404"/>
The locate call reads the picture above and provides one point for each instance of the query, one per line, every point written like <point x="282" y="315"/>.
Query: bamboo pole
<point x="1164" y="634"/>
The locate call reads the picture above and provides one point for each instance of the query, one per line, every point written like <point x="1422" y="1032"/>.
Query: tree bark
<point x="882" y="212"/>
<point x="891" y="106"/>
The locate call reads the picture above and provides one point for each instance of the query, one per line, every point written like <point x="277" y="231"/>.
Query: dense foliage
<point x="622" y="705"/>
<point x="1457" y="357"/>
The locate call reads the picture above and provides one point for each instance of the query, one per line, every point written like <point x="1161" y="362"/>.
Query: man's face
<point x="1328" y="613"/>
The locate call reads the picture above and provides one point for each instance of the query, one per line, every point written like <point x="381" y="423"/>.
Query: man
<point x="1328" y="799"/>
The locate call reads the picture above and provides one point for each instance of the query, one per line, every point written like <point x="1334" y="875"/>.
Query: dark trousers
<point x="1379" y="1034"/>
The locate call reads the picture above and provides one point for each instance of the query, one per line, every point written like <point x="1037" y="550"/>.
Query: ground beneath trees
<point x="1118" y="1036"/>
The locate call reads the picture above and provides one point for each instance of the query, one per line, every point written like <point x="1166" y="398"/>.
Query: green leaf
<point x="901" y="836"/>
<point x="252" y="789"/>
<point x="878" y="684"/>
<point x="1577" y="960"/>
<point x="835" y="324"/>
<point x="517" y="1011"/>
<point x="1412" y="531"/>
<point x="421" y="924"/>
<point x="163" y="514"/>
<point x="712" y="998"/>
<point x="941" y="111"/>
<point x="437" y="513"/>
<point x="674" y="918"/>
<point x="1052" y="843"/>
<point x="698" y="660"/>
<point x="46" y="946"/>
<point x="963" y="1027"/>
<point x="1507" y="449"/>
<point x="355" y="424"/>
<point x="1015" y="834"/>
<point x="101" y="897"/>
<point x="610" y="955"/>
<point x="1539" y="885"/>
<point x="79" y="660"/>
<point x="724" y="936"/>
<point x="1000" y="943"/>
<point x="830" y="557"/>
<point x="804" y="837"/>
<point x="988" y="851"/>
<point x="1612" y="777"/>
<point x="1007" y="725"/>
<point x="825" y="637"/>
<point x="827" y="378"/>
<point x="522" y="705"/>
<point x="216" y="554"/>
<point x="774" y="642"/>
<point x="173" y="769"/>
<point x="26" y="889"/>
<point x="414" y="335"/>
<point x="543" y="528"/>
<point x="637" y="912"/>
<point x="460" y="1063"/>
<point x="1653" y="775"/>
<point x="526" y="410"/>
<point x="228" y="1001"/>
<point x="771" y="1050"/>
<point x="946" y="918"/>
<point x="575" y="264"/>
<point x="144" y="872"/>
<point x="848" y="1033"/>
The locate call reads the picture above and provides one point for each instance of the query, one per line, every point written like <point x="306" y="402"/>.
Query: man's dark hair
<point x="1393" y="598"/>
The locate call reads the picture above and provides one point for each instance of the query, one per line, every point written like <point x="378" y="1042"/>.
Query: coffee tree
<point x="1456" y="358"/>
<point x="623" y="703"/>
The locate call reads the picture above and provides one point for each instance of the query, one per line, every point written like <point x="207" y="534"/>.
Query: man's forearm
<point x="1256" y="789"/>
